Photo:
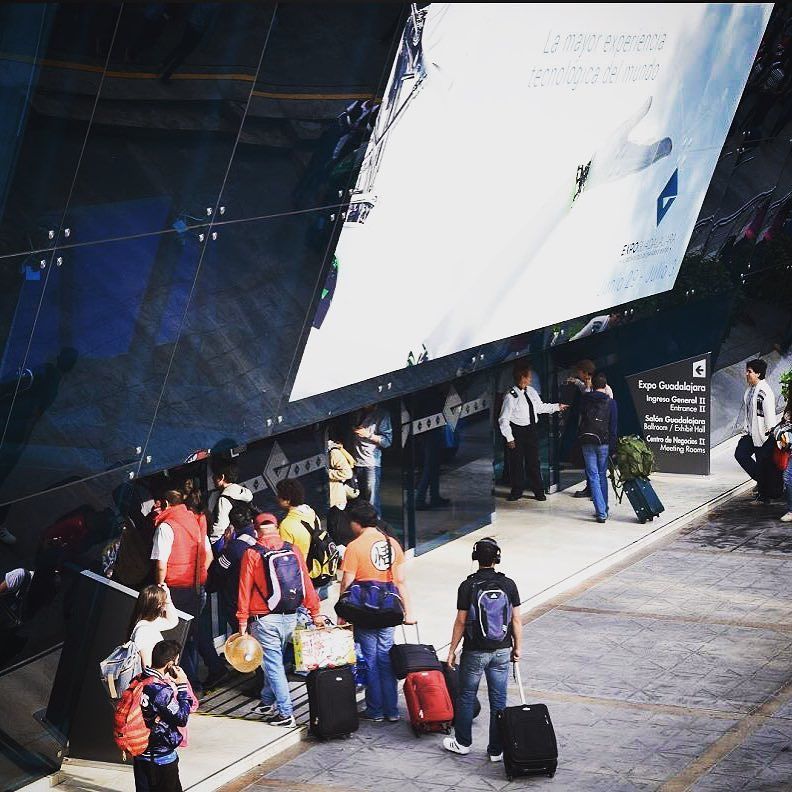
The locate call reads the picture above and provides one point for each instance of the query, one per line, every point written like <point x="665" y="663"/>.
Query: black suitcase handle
<point x="518" y="680"/>
<point x="417" y="633"/>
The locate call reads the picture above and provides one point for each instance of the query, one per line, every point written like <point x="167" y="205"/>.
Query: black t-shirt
<point x="464" y="594"/>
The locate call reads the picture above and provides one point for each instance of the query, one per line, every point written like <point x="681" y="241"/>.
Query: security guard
<point x="517" y="422"/>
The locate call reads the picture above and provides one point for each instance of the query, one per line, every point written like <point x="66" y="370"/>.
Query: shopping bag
<point x="324" y="647"/>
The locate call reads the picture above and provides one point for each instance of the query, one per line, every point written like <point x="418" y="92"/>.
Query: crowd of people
<point x="273" y="584"/>
<point x="270" y="573"/>
<point x="591" y="422"/>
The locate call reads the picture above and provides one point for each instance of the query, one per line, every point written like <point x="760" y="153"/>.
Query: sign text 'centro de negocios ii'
<point x="673" y="406"/>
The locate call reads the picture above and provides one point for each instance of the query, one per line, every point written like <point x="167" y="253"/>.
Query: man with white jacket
<point x="760" y="418"/>
<point x="230" y="494"/>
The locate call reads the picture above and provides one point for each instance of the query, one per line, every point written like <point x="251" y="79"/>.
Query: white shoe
<point x="450" y="744"/>
<point x="787" y="517"/>
<point x="6" y="537"/>
<point x="755" y="490"/>
<point x="496" y="757"/>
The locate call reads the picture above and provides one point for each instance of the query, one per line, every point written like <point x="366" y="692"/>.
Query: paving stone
<point x="664" y="690"/>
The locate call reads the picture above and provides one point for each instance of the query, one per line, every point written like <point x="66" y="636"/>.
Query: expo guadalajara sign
<point x="673" y="406"/>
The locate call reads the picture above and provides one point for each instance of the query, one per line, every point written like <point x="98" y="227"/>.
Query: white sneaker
<point x="496" y="757"/>
<point x="787" y="517"/>
<point x="6" y="537"/>
<point x="450" y="744"/>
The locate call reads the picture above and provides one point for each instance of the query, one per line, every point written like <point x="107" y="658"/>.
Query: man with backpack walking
<point x="488" y="618"/>
<point x="597" y="434"/>
<point x="273" y="584"/>
<point x="161" y="696"/>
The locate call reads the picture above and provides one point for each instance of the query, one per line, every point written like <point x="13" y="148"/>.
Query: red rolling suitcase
<point x="428" y="702"/>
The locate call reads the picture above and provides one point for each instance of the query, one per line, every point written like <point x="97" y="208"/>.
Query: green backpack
<point x="634" y="459"/>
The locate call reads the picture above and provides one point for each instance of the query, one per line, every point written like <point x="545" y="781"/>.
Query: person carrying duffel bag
<point x="374" y="599"/>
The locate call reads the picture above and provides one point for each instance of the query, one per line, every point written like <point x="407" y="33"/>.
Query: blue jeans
<point x="274" y="632"/>
<point x="596" y="460"/>
<point x="788" y="484"/>
<point x="370" y="479"/>
<point x="495" y="666"/>
<point x="381" y="685"/>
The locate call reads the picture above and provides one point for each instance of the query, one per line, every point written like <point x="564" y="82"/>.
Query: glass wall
<point x="172" y="182"/>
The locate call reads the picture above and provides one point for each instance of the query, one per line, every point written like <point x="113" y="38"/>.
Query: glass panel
<point x="245" y="320"/>
<point x="51" y="66"/>
<point x="312" y="108"/>
<point x="178" y="81"/>
<point x="106" y="320"/>
<point x="452" y="460"/>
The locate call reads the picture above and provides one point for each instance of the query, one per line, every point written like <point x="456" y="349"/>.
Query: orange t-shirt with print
<point x="367" y="557"/>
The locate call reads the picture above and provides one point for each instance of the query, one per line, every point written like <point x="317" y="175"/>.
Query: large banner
<point x="528" y="164"/>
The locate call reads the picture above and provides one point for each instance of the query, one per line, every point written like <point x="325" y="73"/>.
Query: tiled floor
<point x="672" y="674"/>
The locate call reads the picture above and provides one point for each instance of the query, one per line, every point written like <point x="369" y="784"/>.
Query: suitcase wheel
<point x="550" y="773"/>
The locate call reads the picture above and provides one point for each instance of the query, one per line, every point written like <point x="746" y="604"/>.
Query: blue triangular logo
<point x="666" y="198"/>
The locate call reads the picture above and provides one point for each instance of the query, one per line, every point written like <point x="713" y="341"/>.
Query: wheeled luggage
<point x="643" y="499"/>
<point x="529" y="743"/>
<point x="332" y="702"/>
<point x="428" y="702"/>
<point x="407" y="657"/>
<point x="451" y="676"/>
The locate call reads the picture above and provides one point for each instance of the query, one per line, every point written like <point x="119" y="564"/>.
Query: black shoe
<point x="541" y="496"/>
<point x="584" y="493"/>
<point x="513" y="497"/>
<point x="440" y="502"/>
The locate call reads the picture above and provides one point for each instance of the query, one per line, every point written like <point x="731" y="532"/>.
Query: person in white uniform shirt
<point x="518" y="418"/>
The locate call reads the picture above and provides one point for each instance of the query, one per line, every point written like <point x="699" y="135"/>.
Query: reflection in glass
<point x="312" y="108"/>
<point x="172" y="102"/>
<point x="246" y="317"/>
<point x="51" y="66"/>
<point x="96" y="345"/>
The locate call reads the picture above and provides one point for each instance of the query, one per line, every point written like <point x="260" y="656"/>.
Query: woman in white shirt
<point x="154" y="612"/>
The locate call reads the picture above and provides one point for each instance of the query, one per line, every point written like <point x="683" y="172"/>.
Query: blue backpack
<point x="489" y="614"/>
<point x="284" y="579"/>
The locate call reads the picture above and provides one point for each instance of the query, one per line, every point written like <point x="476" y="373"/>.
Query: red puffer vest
<point x="189" y="547"/>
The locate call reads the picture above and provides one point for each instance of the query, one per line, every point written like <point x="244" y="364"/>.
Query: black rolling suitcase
<point x="529" y="743"/>
<point x="406" y="657"/>
<point x="643" y="499"/>
<point x="332" y="702"/>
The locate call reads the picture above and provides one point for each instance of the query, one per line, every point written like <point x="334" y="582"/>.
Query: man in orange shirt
<point x="273" y="583"/>
<point x="373" y="555"/>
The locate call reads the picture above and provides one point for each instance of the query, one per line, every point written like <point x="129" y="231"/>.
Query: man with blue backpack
<point x="488" y="618"/>
<point x="273" y="584"/>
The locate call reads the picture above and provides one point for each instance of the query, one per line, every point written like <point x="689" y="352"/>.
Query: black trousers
<point x="524" y="461"/>
<point x="150" y="777"/>
<point x="763" y="470"/>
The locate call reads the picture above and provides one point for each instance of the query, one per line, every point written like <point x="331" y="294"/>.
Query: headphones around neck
<point x="489" y="542"/>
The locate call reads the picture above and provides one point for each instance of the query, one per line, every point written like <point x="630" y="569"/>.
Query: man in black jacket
<point x="164" y="711"/>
